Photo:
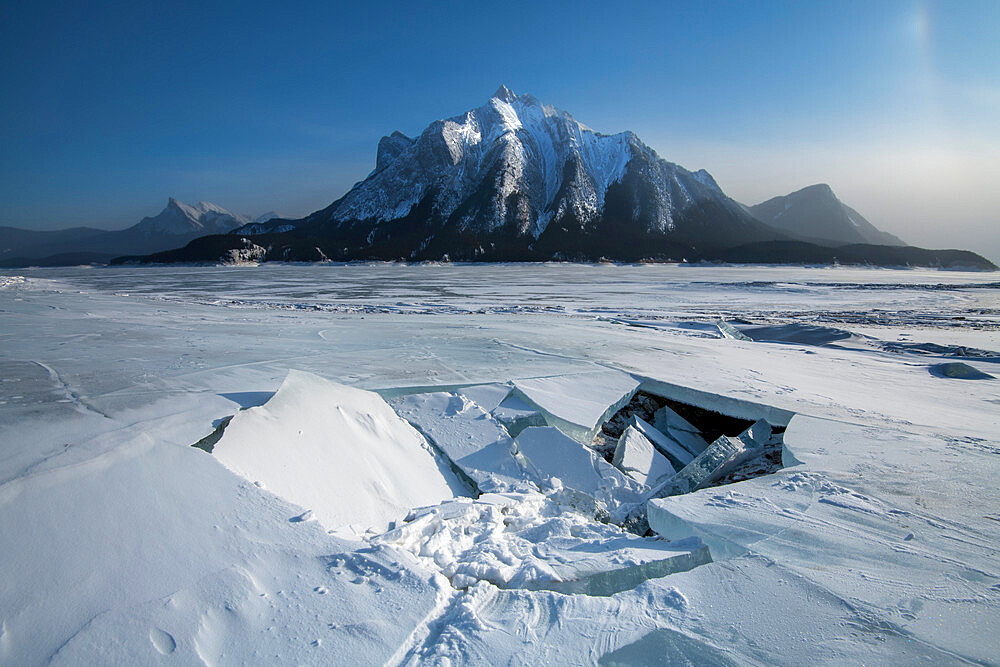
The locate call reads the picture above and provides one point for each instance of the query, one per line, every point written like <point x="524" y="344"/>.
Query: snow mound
<point x="959" y="371"/>
<point x="336" y="450"/>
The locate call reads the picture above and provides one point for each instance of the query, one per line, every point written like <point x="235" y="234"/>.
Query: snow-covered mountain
<point x="815" y="213"/>
<point x="515" y="178"/>
<point x="179" y="218"/>
<point x="264" y="217"/>
<point x="177" y="224"/>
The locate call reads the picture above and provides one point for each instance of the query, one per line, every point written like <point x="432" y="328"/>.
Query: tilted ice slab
<point x="580" y="402"/>
<point x="487" y="396"/>
<point x="475" y="442"/>
<point x="536" y="541"/>
<point x="724" y="455"/>
<point x="668" y="446"/>
<point x="339" y="452"/>
<point x="636" y="456"/>
<point x="552" y="454"/>
<point x="680" y="430"/>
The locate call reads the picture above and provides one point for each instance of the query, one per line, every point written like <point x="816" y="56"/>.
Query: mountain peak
<point x="816" y="214"/>
<point x="818" y="189"/>
<point x="180" y="218"/>
<point x="504" y="93"/>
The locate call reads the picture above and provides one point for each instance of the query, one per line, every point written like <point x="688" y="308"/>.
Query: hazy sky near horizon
<point x="109" y="108"/>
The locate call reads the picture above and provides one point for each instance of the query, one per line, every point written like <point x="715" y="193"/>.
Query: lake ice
<point x="416" y="463"/>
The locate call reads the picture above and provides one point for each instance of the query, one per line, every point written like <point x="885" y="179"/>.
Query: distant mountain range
<point x="814" y="213"/>
<point x="517" y="180"/>
<point x="177" y="224"/>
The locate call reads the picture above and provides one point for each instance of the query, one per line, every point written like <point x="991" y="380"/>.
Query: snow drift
<point x="339" y="452"/>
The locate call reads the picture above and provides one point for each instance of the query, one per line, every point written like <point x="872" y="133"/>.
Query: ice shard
<point x="721" y="457"/>
<point x="668" y="422"/>
<point x="669" y="447"/>
<point x="638" y="458"/>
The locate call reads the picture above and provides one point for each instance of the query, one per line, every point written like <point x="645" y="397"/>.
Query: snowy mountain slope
<point x="515" y="178"/>
<point x="177" y="224"/>
<point x="178" y="218"/>
<point x="815" y="212"/>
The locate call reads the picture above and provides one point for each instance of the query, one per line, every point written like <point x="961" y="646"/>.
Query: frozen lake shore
<point x="876" y="542"/>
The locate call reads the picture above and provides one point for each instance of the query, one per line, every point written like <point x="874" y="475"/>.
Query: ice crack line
<point x="75" y="398"/>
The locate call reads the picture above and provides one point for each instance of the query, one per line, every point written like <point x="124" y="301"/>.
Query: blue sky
<point x="109" y="108"/>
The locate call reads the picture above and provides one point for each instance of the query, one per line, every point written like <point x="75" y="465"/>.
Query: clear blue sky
<point x="109" y="108"/>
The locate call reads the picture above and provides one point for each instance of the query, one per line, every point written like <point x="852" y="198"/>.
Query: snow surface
<point x="876" y="544"/>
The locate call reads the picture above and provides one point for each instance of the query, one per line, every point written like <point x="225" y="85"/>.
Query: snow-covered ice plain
<point x="417" y="464"/>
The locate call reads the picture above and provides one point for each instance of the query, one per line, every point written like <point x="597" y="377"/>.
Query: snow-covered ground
<point x="408" y="474"/>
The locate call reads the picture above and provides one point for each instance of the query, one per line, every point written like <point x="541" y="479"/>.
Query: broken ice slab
<point x="729" y="331"/>
<point x="475" y="442"/>
<point x="669" y="447"/>
<point x="668" y="422"/>
<point x="722" y="456"/>
<point x="579" y="403"/>
<point x="487" y="396"/>
<point x="636" y="456"/>
<point x="528" y="541"/>
<point x="552" y="454"/>
<point x="516" y="415"/>
<point x="665" y="418"/>
<point x="336" y="450"/>
<point x="606" y="567"/>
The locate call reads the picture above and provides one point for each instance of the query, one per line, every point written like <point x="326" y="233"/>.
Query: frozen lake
<point x="875" y="543"/>
<point x="654" y="289"/>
